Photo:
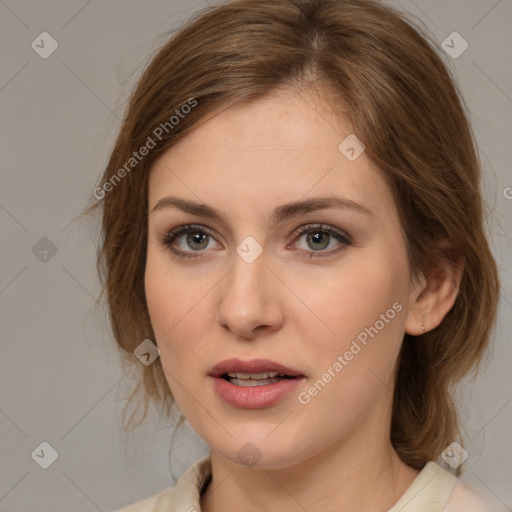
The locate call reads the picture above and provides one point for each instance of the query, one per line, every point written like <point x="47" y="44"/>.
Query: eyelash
<point x="172" y="235"/>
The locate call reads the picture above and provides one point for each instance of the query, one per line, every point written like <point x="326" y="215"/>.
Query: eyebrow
<point x="279" y="213"/>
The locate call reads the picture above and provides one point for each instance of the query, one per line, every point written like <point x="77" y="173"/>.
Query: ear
<point x="433" y="297"/>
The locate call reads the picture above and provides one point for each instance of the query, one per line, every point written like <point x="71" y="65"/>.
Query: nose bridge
<point x="248" y="298"/>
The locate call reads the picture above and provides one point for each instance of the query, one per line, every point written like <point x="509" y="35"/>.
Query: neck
<point x="364" y="474"/>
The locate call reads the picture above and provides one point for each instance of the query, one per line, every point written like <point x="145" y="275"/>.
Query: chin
<point x="263" y="453"/>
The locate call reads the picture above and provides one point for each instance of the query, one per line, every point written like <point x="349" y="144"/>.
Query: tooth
<point x="250" y="383"/>
<point x="254" y="376"/>
<point x="257" y="376"/>
<point x="264" y="375"/>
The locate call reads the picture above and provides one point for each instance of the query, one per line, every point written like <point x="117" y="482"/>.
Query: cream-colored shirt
<point x="433" y="490"/>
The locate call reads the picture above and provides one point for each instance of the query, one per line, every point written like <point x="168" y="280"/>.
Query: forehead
<point x="276" y="149"/>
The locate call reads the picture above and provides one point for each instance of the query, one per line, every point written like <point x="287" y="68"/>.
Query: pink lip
<point x="252" y="366"/>
<point x="256" y="397"/>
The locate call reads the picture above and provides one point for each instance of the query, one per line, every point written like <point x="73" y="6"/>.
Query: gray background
<point x="61" y="381"/>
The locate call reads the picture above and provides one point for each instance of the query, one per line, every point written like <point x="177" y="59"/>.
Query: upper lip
<point x="252" y="366"/>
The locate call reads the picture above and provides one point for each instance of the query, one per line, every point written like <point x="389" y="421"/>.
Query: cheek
<point x="175" y="301"/>
<point x="172" y="313"/>
<point x="354" y="296"/>
<point x="166" y="298"/>
<point x="353" y="369"/>
<point x="362" y="309"/>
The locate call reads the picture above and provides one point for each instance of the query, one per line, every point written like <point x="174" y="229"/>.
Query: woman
<point x="292" y="215"/>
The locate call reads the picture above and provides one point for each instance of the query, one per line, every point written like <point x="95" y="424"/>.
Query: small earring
<point x="423" y="325"/>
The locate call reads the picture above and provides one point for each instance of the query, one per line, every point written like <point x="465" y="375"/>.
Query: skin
<point x="333" y="453"/>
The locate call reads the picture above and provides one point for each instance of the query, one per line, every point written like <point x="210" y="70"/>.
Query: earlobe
<point x="434" y="299"/>
<point x="415" y="323"/>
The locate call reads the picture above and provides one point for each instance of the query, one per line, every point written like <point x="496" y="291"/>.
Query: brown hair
<point x="404" y="106"/>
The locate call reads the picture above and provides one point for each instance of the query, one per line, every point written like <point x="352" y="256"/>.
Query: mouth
<point x="254" y="379"/>
<point x="254" y="372"/>
<point x="254" y="384"/>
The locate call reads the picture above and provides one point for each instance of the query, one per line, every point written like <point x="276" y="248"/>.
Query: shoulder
<point x="435" y="489"/>
<point x="186" y="491"/>
<point x="428" y="492"/>
<point x="463" y="499"/>
<point x="163" y="500"/>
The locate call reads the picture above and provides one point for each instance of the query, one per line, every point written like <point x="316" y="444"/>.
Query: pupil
<point x="197" y="238"/>
<point x="316" y="238"/>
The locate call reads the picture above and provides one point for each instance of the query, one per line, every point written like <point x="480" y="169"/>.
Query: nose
<point x="249" y="302"/>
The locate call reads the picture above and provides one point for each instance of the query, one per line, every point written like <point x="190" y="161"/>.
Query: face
<point x="265" y="242"/>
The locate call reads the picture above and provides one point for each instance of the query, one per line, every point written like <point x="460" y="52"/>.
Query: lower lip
<point x="255" y="397"/>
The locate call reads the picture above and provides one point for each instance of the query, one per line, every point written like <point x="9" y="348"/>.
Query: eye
<point x="189" y="239"/>
<point x="319" y="238"/>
